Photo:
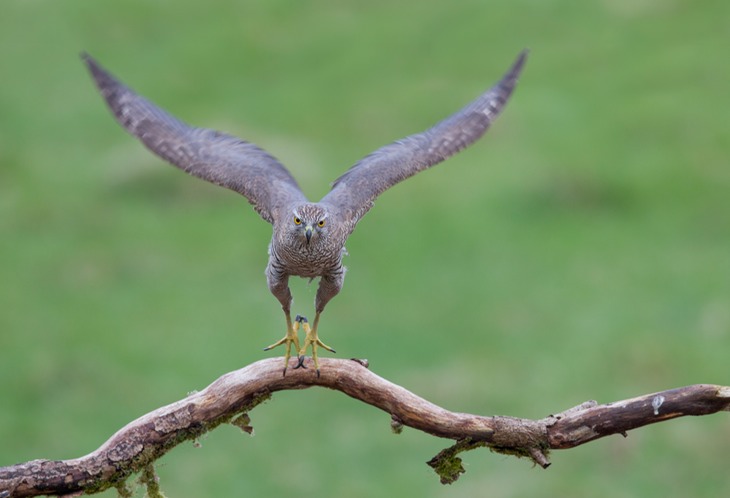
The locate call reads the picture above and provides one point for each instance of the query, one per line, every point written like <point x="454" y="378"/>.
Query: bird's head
<point x="309" y="223"/>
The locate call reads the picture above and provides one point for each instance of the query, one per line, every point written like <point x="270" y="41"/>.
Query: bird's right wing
<point x="354" y="192"/>
<point x="211" y="155"/>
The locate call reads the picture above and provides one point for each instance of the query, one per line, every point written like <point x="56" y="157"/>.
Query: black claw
<point x="301" y="363"/>
<point x="318" y="373"/>
<point x="283" y="372"/>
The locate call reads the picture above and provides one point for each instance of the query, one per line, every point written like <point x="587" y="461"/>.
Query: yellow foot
<point x="290" y="338"/>
<point x="310" y="339"/>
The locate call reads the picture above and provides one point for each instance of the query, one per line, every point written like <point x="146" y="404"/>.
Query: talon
<point x="312" y="339"/>
<point x="277" y="343"/>
<point x="290" y="339"/>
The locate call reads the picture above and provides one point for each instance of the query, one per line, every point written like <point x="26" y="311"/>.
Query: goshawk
<point x="308" y="237"/>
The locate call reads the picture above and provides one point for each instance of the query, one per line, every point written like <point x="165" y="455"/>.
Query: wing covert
<point x="208" y="154"/>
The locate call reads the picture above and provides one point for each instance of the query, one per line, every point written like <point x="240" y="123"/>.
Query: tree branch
<point x="136" y="446"/>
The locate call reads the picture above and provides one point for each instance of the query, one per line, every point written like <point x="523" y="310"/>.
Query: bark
<point x="136" y="446"/>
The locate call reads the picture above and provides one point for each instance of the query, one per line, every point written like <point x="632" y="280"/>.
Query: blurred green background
<point x="580" y="251"/>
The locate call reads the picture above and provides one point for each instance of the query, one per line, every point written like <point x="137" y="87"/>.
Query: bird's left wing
<point x="354" y="192"/>
<point x="208" y="154"/>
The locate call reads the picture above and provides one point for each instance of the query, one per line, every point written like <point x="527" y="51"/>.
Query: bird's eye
<point x="321" y="223"/>
<point x="297" y="221"/>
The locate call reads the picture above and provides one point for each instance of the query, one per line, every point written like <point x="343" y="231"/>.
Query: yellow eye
<point x="297" y="221"/>
<point x="321" y="223"/>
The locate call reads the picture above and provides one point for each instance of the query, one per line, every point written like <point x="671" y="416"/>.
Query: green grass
<point x="580" y="251"/>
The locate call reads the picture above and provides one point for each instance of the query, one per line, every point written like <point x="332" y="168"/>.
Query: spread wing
<point x="354" y="192"/>
<point x="208" y="154"/>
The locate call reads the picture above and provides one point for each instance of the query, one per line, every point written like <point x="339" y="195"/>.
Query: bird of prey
<point x="308" y="237"/>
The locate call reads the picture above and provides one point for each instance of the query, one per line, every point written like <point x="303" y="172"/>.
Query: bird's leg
<point x="291" y="337"/>
<point x="313" y="339"/>
<point x="329" y="285"/>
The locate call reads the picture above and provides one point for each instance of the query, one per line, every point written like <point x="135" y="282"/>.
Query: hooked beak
<point x="308" y="232"/>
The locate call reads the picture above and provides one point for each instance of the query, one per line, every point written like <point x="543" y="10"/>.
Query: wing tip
<point x="104" y="80"/>
<point x="522" y="56"/>
<point x="89" y="61"/>
<point x="514" y="71"/>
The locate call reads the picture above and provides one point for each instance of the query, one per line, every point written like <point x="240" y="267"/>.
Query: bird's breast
<point x="306" y="261"/>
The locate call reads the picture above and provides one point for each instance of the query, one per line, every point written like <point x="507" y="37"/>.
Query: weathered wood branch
<point x="229" y="399"/>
